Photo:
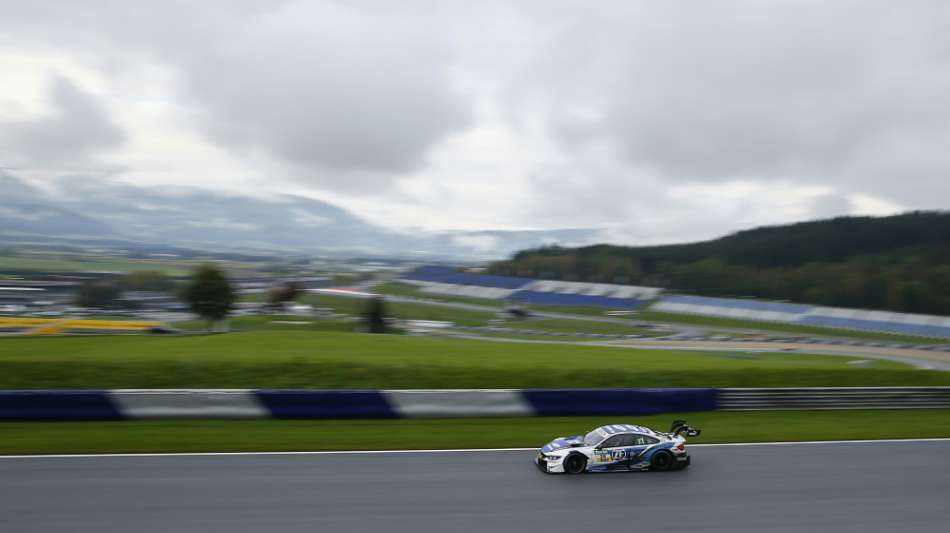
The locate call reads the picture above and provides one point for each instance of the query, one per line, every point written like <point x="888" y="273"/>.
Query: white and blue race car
<point x="618" y="447"/>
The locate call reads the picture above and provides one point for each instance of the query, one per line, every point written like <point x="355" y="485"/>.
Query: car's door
<point x="636" y="458"/>
<point x="612" y="453"/>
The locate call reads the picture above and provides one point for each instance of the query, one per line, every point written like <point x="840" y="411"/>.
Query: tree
<point x="209" y="294"/>
<point x="288" y="292"/>
<point x="98" y="294"/>
<point x="147" y="280"/>
<point x="375" y="316"/>
<point x="900" y="263"/>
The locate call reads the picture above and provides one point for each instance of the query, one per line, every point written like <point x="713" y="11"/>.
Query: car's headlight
<point x="553" y="457"/>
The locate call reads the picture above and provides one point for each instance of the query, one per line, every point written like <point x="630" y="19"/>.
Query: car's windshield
<point x="593" y="438"/>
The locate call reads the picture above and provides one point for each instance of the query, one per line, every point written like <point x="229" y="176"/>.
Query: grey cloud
<point x="348" y="94"/>
<point x="831" y="205"/>
<point x="639" y="97"/>
<point x="77" y="129"/>
<point x="16" y="190"/>
<point x="824" y="93"/>
<point x="328" y="86"/>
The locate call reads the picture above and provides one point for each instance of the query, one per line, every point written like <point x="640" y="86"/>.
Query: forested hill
<point x="900" y="263"/>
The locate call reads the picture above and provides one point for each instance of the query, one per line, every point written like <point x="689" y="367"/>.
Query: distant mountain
<point x="901" y="263"/>
<point x="43" y="219"/>
<point x="201" y="219"/>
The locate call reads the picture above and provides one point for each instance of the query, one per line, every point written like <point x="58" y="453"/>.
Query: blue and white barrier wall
<point x="353" y="404"/>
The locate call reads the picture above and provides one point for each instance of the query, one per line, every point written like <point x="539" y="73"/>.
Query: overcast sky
<point x="660" y="121"/>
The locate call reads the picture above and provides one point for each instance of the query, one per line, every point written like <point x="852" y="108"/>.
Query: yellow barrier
<point x="23" y="322"/>
<point x="54" y="326"/>
<point x="45" y="326"/>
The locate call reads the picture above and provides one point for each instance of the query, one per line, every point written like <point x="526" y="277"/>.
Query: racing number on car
<point x="607" y="456"/>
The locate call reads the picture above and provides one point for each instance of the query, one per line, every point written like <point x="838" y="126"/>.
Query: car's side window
<point x="627" y="440"/>
<point x="612" y="442"/>
<point x="645" y="440"/>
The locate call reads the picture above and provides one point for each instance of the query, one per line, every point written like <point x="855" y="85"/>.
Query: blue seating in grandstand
<point x="874" y="325"/>
<point x="517" y="289"/>
<point x="440" y="274"/>
<point x="554" y="298"/>
<point x="735" y="303"/>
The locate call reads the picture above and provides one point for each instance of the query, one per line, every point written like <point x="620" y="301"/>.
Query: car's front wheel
<point x="575" y="464"/>
<point x="661" y="461"/>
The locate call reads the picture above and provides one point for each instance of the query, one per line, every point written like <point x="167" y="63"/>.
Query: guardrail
<point x="328" y="404"/>
<point x="834" y="398"/>
<point x="381" y="404"/>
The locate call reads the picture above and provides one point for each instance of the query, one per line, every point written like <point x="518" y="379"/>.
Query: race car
<point x="618" y="447"/>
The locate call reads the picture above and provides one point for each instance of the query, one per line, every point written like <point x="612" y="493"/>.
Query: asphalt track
<point x="830" y="487"/>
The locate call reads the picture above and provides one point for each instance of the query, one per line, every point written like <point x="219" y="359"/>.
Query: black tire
<point x="575" y="464"/>
<point x="661" y="461"/>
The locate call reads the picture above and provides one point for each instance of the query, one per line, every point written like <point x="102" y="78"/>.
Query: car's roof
<point x="625" y="428"/>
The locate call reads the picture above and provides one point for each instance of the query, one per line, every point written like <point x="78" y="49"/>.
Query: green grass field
<point x="463" y="317"/>
<point x="308" y="359"/>
<point x="537" y="337"/>
<point x="409" y="311"/>
<point x="395" y="288"/>
<point x="86" y="265"/>
<point x="305" y="435"/>
<point x="401" y="310"/>
<point x="275" y="323"/>
<point x="793" y="329"/>
<point x="572" y="326"/>
<point x="306" y="323"/>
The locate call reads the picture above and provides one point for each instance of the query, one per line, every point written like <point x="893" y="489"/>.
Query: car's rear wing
<point x="680" y="426"/>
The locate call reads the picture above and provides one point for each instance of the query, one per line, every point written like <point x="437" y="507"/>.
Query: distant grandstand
<point x="447" y="280"/>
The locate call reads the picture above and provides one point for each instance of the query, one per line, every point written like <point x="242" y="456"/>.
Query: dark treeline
<point x="899" y="263"/>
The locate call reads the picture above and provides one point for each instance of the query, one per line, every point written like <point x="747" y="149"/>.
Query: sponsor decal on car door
<point x="612" y="453"/>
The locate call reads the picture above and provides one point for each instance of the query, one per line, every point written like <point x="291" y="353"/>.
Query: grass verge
<point x="310" y="359"/>
<point x="404" y="310"/>
<point x="274" y="323"/>
<point x="575" y="326"/>
<point x="506" y="336"/>
<point x="83" y="264"/>
<point x="395" y="288"/>
<point x="300" y="435"/>
<point x="312" y="323"/>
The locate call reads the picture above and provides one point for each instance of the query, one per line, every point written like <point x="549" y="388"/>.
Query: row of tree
<point x="899" y="263"/>
<point x="209" y="294"/>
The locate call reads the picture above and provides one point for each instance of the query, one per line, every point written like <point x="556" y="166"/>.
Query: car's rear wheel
<point x="661" y="461"/>
<point x="575" y="464"/>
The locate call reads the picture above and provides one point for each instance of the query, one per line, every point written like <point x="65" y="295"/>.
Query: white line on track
<point x="455" y="450"/>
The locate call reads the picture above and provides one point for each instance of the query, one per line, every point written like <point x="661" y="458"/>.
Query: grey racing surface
<point x="830" y="487"/>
